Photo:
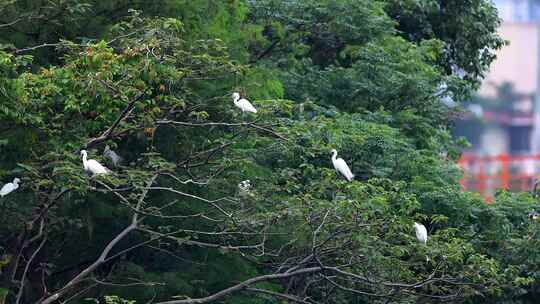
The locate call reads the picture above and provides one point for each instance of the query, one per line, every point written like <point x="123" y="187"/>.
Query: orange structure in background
<point x="486" y="174"/>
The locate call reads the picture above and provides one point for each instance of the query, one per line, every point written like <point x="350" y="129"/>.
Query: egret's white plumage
<point x="10" y="187"/>
<point x="245" y="185"/>
<point x="91" y="165"/>
<point x="421" y="233"/>
<point x="243" y="104"/>
<point x="341" y="166"/>
<point x="115" y="158"/>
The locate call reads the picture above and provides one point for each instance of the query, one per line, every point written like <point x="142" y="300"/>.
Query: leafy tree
<point x="174" y="223"/>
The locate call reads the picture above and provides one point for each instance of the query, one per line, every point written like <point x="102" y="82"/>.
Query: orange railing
<point x="486" y="174"/>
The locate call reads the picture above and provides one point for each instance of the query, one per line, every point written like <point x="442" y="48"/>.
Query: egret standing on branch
<point x="421" y="233"/>
<point x="9" y="187"/>
<point x="341" y="166"/>
<point x="243" y="104"/>
<point x="92" y="166"/>
<point x="115" y="158"/>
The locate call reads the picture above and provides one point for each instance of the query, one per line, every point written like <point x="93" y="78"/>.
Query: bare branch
<point x="23" y="278"/>
<point x="23" y="17"/>
<point x="11" y="23"/>
<point x="212" y="202"/>
<point x="137" y="283"/>
<point x="244" y="285"/>
<point x="202" y="244"/>
<point x="267" y="51"/>
<point x="84" y="290"/>
<point x="141" y="199"/>
<point x="91" y="268"/>
<point x="42" y="46"/>
<point x="279" y="295"/>
<point x="222" y="124"/>
<point x="316" y="232"/>
<point x="108" y="133"/>
<point x="103" y="256"/>
<point x="189" y="181"/>
<point x="355" y="291"/>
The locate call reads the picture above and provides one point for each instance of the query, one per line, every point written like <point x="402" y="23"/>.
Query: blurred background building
<point x="503" y="122"/>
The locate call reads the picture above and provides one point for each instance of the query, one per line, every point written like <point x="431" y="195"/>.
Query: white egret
<point x="10" y="187"/>
<point x="341" y="166"/>
<point x="92" y="166"/>
<point x="115" y="158"/>
<point x="421" y="233"/>
<point x="243" y="104"/>
<point x="244" y="187"/>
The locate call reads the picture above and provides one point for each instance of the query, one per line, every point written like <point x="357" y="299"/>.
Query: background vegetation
<point x="153" y="80"/>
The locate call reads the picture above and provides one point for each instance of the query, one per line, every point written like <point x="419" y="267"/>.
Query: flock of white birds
<point x="94" y="167"/>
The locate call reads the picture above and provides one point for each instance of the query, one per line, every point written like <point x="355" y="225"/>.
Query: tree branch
<point x="90" y="268"/>
<point x="279" y="295"/>
<point x="222" y="124"/>
<point x="103" y="256"/>
<point x="42" y="46"/>
<point x="107" y="134"/>
<point x="244" y="285"/>
<point x="11" y="23"/>
<point x="266" y="51"/>
<point x="25" y="272"/>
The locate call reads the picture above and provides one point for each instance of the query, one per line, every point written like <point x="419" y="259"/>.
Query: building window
<point x="518" y="10"/>
<point x="521" y="11"/>
<point x="535" y="11"/>
<point x="504" y="7"/>
<point x="520" y="139"/>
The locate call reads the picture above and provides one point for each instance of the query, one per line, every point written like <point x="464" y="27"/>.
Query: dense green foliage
<point x="153" y="80"/>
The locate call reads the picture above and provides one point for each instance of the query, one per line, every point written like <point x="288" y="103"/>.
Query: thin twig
<point x="23" y="278"/>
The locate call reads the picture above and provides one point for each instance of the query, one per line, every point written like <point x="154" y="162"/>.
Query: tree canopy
<point x="212" y="205"/>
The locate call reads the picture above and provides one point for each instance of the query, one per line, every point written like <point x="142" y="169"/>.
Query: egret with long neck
<point x="341" y="166"/>
<point x="10" y="187"/>
<point x="243" y="104"/>
<point x="91" y="165"/>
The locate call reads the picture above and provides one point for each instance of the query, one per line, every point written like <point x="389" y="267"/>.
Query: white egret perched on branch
<point x="10" y="187"/>
<point x="92" y="166"/>
<point x="341" y="166"/>
<point x="243" y="104"/>
<point x="244" y="187"/>
<point x="421" y="233"/>
<point x="115" y="158"/>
